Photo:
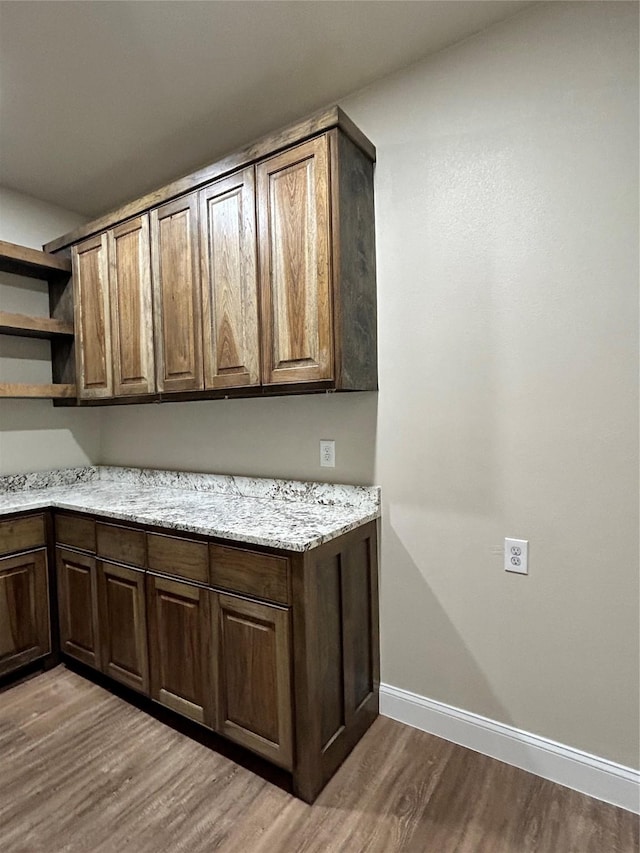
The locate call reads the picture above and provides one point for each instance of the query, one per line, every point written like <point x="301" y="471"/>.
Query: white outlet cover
<point x="516" y="556"/>
<point x="327" y="453"/>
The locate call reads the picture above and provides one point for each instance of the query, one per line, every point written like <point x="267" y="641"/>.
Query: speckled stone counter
<point x="288" y="514"/>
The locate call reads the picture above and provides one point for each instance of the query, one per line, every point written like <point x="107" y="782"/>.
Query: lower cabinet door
<point x="123" y="625"/>
<point x="253" y="664"/>
<point x="78" y="606"/>
<point x="180" y="653"/>
<point x="24" y="610"/>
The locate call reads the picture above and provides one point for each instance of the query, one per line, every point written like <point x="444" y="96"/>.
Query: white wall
<point x="507" y="229"/>
<point x="34" y="435"/>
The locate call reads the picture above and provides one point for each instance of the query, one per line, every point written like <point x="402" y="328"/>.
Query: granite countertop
<point x="288" y="514"/>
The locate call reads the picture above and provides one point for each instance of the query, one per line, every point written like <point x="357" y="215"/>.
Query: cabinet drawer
<point x="182" y="557"/>
<point x="76" y="532"/>
<point x="121" y="544"/>
<point x="250" y="572"/>
<point x="20" y="534"/>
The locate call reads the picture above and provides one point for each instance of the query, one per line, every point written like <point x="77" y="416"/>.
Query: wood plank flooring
<point x="82" y="771"/>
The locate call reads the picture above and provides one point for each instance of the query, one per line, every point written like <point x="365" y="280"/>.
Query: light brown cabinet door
<point x="94" y="376"/>
<point x="229" y="282"/>
<point x="123" y="625"/>
<point x="295" y="272"/>
<point x="78" y="606"/>
<point x="180" y="654"/>
<point x="24" y="610"/>
<point x="253" y="676"/>
<point x="177" y="296"/>
<point x="131" y="308"/>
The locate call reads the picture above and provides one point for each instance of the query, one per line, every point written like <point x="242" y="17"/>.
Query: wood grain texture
<point x="180" y="653"/>
<point x="123" y="625"/>
<point x="183" y="558"/>
<point x="94" y="375"/>
<point x="228" y="254"/>
<point x="40" y="391"/>
<point x="120" y="781"/>
<point x="131" y="308"/>
<point x="176" y="295"/>
<point x="78" y="606"/>
<point x="354" y="266"/>
<point x="76" y="531"/>
<point x="123" y="544"/>
<point x="24" y="610"/>
<point x="295" y="264"/>
<point x="254" y="676"/>
<point x="32" y="263"/>
<point x="250" y="573"/>
<point x="24" y="326"/>
<point x="20" y="534"/>
<point x="63" y="354"/>
<point x="312" y="125"/>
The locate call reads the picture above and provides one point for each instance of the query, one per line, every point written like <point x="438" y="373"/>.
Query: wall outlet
<point x="516" y="556"/>
<point x="327" y="453"/>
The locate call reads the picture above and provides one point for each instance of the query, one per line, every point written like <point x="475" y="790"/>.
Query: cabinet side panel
<point x="355" y="272"/>
<point x="330" y="648"/>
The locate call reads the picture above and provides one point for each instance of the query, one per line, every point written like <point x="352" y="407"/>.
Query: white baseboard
<point x="613" y="783"/>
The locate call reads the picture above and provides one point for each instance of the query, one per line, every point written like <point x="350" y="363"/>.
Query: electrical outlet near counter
<point x="327" y="453"/>
<point x="516" y="556"/>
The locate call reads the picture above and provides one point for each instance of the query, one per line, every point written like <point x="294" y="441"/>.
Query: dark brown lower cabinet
<point x="78" y="606"/>
<point x="180" y="652"/>
<point x="123" y="625"/>
<point x="24" y="610"/>
<point x="254" y="676"/>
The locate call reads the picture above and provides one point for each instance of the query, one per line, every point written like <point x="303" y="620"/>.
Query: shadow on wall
<point x="436" y="663"/>
<point x="36" y="436"/>
<point x="262" y="437"/>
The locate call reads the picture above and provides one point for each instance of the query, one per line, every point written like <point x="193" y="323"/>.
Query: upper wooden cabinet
<point x="254" y="275"/>
<point x="229" y="282"/>
<point x="93" y="336"/>
<point x="177" y="300"/>
<point x="293" y="206"/>
<point x="112" y="294"/>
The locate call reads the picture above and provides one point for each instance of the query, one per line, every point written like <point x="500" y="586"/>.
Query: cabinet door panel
<point x="131" y="307"/>
<point x="254" y="683"/>
<point x="229" y="282"/>
<point x="24" y="610"/>
<point x="177" y="297"/>
<point x="294" y="228"/>
<point x="92" y="322"/>
<point x="180" y="647"/>
<point x="78" y="606"/>
<point x="123" y="625"/>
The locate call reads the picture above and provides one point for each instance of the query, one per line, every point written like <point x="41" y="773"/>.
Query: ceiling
<point x="101" y="102"/>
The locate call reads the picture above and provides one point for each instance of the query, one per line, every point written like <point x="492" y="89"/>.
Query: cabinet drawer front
<point x="76" y="532"/>
<point x="20" y="534"/>
<point x="121" y="544"/>
<point x="182" y="557"/>
<point x="250" y="572"/>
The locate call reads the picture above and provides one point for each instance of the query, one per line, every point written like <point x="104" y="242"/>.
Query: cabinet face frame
<point x="34" y="612"/>
<point x="176" y="290"/>
<point x="85" y="571"/>
<point x="201" y="707"/>
<point x="296" y="284"/>
<point x="273" y="622"/>
<point x="228" y="257"/>
<point x="131" y="308"/>
<point x="90" y="263"/>
<point x="134" y="673"/>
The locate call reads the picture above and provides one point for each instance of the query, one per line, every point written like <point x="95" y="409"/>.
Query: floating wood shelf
<point x="32" y="263"/>
<point x="32" y="327"/>
<point x="44" y="392"/>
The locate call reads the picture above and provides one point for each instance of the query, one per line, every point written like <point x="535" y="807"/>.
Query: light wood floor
<point x="82" y="771"/>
